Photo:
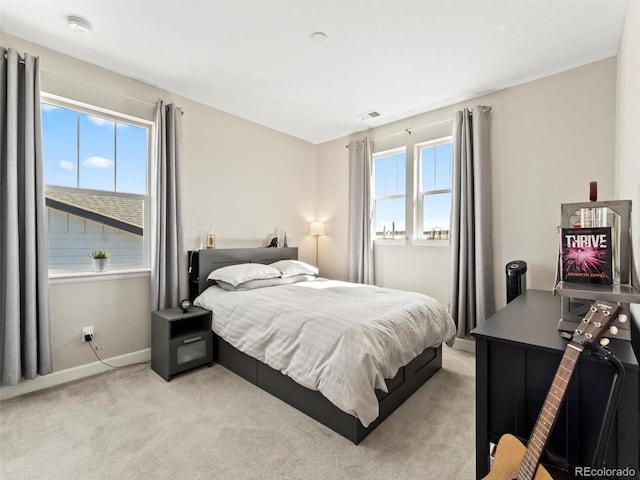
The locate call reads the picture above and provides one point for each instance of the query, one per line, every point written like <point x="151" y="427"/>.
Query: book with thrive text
<point x="585" y="255"/>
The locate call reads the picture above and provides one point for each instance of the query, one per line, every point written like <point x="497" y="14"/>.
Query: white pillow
<point x="289" y="268"/>
<point x="269" y="282"/>
<point x="243" y="272"/>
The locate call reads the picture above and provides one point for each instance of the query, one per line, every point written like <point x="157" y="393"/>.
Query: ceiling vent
<point x="370" y="115"/>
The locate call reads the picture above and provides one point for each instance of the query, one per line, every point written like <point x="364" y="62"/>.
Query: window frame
<point x="118" y="117"/>
<point x="419" y="233"/>
<point x="374" y="198"/>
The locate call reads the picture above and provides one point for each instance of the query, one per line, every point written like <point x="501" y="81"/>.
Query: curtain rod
<point x="5" y="54"/>
<point x="409" y="131"/>
<point x="98" y="87"/>
<point x="144" y="102"/>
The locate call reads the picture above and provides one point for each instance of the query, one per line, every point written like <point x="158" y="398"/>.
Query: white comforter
<point x="342" y="339"/>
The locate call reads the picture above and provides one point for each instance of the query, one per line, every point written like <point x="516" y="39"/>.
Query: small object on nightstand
<point x="274" y="243"/>
<point x="185" y="305"/>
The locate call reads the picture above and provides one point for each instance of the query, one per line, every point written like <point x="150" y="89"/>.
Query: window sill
<point x="396" y="242"/>
<point x="61" y="276"/>
<point x="416" y="242"/>
<point x="428" y="242"/>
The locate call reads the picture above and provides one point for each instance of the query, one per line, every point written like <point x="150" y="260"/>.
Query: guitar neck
<point x="548" y="414"/>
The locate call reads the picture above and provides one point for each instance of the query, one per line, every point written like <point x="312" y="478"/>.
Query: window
<point x="389" y="170"/>
<point x="434" y="191"/>
<point x="96" y="170"/>
<point x="418" y="191"/>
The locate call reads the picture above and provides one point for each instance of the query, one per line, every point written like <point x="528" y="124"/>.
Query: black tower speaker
<point x="516" y="278"/>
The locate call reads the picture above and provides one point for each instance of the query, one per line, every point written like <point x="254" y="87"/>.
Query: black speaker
<point x="516" y="278"/>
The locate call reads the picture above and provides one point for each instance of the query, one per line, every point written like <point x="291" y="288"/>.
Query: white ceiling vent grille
<point x="370" y="115"/>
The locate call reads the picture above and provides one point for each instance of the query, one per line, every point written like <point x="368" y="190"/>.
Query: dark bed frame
<point x="408" y="379"/>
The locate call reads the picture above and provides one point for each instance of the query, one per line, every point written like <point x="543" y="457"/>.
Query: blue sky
<point x="102" y="163"/>
<point x="436" y="175"/>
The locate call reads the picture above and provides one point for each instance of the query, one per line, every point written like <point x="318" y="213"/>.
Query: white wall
<point x="549" y="139"/>
<point x="627" y="177"/>
<point x="244" y="180"/>
<point x="241" y="178"/>
<point x="117" y="306"/>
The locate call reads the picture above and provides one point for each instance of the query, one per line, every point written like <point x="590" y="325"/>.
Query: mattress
<point x="341" y="339"/>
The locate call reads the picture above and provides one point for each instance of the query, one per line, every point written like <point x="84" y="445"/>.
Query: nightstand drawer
<point x="190" y="351"/>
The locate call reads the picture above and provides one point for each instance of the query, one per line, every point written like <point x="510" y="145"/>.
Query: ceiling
<point x="257" y="60"/>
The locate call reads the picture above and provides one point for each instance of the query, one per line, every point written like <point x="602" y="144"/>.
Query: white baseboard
<point x="70" y="374"/>
<point x="468" y="345"/>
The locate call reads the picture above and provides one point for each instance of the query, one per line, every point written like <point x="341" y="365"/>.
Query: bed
<point x="238" y="315"/>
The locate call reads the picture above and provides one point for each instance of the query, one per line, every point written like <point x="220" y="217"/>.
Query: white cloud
<point x="97" y="162"/>
<point x="99" y="121"/>
<point x="65" y="165"/>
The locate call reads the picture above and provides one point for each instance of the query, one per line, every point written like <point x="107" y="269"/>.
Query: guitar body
<point x="509" y="453"/>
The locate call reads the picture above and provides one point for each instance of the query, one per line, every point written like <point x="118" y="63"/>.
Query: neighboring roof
<point x="123" y="213"/>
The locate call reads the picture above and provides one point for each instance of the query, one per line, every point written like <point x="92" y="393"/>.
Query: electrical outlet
<point x="87" y="332"/>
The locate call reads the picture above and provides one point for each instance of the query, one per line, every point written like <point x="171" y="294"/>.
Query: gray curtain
<point x="25" y="330"/>
<point x="360" y="212"/>
<point x="168" y="254"/>
<point x="471" y="289"/>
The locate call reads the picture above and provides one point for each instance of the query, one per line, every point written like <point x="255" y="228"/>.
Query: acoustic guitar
<point x="513" y="460"/>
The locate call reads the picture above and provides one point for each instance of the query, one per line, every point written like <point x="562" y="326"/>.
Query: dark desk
<point x="517" y="353"/>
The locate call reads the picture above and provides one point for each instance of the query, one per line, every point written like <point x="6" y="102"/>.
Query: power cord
<point x="94" y="348"/>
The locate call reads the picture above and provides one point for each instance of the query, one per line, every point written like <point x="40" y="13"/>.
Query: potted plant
<point x="100" y="259"/>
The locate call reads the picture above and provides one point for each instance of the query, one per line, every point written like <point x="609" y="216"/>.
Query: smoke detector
<point x="78" y="24"/>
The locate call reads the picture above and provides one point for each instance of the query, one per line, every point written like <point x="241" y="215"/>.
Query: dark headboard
<point x="203" y="262"/>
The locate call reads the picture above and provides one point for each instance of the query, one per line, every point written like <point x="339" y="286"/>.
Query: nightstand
<point x="180" y="341"/>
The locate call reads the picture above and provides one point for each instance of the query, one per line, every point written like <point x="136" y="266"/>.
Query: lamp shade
<point x="316" y="228"/>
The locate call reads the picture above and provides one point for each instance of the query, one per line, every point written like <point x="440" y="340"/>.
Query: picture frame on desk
<point x="586" y="255"/>
<point x="585" y="225"/>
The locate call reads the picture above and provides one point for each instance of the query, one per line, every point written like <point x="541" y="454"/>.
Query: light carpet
<point x="211" y="424"/>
